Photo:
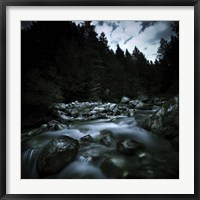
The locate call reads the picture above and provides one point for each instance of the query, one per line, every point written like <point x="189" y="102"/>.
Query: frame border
<point x="4" y="4"/>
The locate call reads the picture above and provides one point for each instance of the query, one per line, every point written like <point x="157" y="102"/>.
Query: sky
<point x="145" y="35"/>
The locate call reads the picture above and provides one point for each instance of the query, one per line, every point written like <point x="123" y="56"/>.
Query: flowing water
<point x="159" y="159"/>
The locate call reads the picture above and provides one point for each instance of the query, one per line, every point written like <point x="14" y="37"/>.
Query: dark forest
<point x="65" y="62"/>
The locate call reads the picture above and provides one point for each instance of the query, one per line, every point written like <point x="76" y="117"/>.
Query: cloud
<point x="117" y="32"/>
<point x="26" y="24"/>
<point x="145" y="25"/>
<point x="145" y="35"/>
<point x="128" y="40"/>
<point x="163" y="30"/>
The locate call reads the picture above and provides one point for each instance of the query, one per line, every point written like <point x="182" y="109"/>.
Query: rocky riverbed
<point x="132" y="139"/>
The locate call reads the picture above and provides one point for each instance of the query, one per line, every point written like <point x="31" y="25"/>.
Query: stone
<point x="139" y="105"/>
<point x="57" y="106"/>
<point x="86" y="139"/>
<point x="133" y="103"/>
<point x="74" y="113"/>
<point x="112" y="106"/>
<point x="165" y="121"/>
<point x="113" y="167"/>
<point x="129" y="146"/>
<point x="58" y="153"/>
<point x="64" y="118"/>
<point x="117" y="113"/>
<point x="106" y="138"/>
<point x="125" y="100"/>
<point x="130" y="113"/>
<point x="93" y="152"/>
<point x="55" y="125"/>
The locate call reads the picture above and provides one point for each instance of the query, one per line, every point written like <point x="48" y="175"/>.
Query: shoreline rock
<point x="56" y="155"/>
<point x="165" y="121"/>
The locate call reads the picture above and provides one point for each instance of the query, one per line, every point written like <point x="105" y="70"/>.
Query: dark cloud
<point x="100" y="23"/>
<point x="165" y="34"/>
<point x="145" y="25"/>
<point x="113" y="24"/>
<point x="26" y="24"/>
<point x="128" y="40"/>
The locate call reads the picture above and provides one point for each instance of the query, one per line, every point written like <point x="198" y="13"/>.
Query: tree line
<point x="64" y="62"/>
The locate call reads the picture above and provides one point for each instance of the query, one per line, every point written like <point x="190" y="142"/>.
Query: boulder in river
<point x="125" y="99"/>
<point x="93" y="152"/>
<point x="86" y="139"/>
<point x="130" y="113"/>
<point x="56" y="155"/>
<point x="57" y="106"/>
<point x="55" y="125"/>
<point x="106" y="138"/>
<point x="113" y="166"/>
<point x="139" y="105"/>
<point x="74" y="113"/>
<point x="133" y="103"/>
<point x="165" y="121"/>
<point x="129" y="146"/>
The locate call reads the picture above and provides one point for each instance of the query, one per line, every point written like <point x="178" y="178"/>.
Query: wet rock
<point x="125" y="100"/>
<point x="171" y="115"/>
<point x="94" y="117"/>
<point x="33" y="132"/>
<point x="123" y="108"/>
<point x="93" y="112"/>
<point x="145" y="99"/>
<point x="44" y="126"/>
<point x="129" y="146"/>
<point x="130" y="113"/>
<point x="74" y="113"/>
<point x="144" y="158"/>
<point x="154" y="122"/>
<point x="86" y="139"/>
<point x="139" y="105"/>
<point x="165" y="121"/>
<point x="133" y="103"/>
<point x="103" y="116"/>
<point x="109" y="114"/>
<point x="99" y="109"/>
<point x="113" y="167"/>
<point x="86" y="113"/>
<point x="64" y="119"/>
<point x="115" y="109"/>
<point x="55" y="125"/>
<point x="106" y="138"/>
<point x="94" y="151"/>
<point x="56" y="155"/>
<point x="112" y="106"/>
<point x="57" y="106"/>
<point x="118" y="112"/>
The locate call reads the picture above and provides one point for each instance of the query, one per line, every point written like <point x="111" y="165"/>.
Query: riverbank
<point x="102" y="140"/>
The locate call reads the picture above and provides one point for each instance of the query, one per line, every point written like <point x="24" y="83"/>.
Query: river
<point x="158" y="160"/>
